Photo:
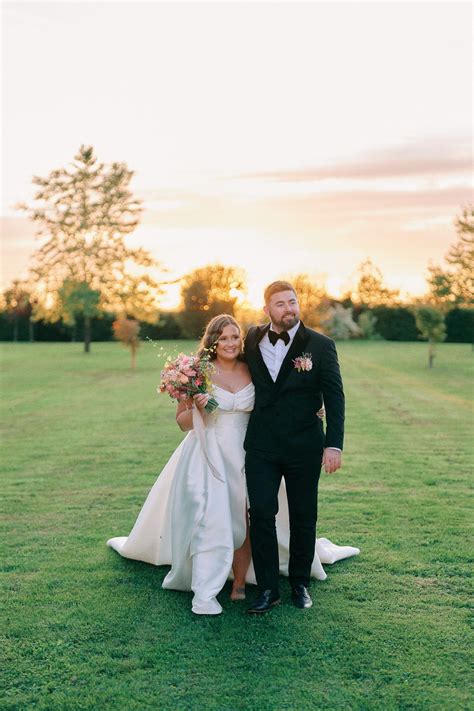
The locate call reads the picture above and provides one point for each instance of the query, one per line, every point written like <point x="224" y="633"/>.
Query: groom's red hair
<point x="275" y="287"/>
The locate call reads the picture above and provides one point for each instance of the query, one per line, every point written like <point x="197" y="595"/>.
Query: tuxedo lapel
<point x="261" y="331"/>
<point x="296" y="348"/>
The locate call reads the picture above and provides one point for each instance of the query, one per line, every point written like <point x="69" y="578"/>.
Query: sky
<point x="280" y="137"/>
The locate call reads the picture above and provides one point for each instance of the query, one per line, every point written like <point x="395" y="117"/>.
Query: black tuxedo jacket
<point x="285" y="411"/>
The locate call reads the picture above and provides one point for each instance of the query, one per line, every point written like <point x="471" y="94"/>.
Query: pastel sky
<point x="280" y="137"/>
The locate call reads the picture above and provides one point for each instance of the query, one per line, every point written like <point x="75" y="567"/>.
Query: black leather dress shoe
<point x="301" y="597"/>
<point x="264" y="602"/>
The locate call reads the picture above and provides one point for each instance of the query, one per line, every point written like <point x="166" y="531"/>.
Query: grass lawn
<point x="84" y="439"/>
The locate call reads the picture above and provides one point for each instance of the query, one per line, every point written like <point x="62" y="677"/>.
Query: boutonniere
<point x="303" y="362"/>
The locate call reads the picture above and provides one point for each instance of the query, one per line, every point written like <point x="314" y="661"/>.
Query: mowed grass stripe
<point x="84" y="438"/>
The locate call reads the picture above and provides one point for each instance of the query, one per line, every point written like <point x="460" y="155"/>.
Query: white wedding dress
<point x="195" y="514"/>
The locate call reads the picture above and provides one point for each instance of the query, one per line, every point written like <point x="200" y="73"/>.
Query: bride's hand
<point x="201" y="400"/>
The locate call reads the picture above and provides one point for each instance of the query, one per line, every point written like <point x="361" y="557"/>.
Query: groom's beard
<point x="285" y="323"/>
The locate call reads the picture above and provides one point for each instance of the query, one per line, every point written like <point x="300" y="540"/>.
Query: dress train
<point x="194" y="516"/>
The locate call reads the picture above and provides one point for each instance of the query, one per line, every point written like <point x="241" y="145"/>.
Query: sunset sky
<point x="280" y="137"/>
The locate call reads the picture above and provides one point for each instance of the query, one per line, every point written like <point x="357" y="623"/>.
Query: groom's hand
<point x="332" y="460"/>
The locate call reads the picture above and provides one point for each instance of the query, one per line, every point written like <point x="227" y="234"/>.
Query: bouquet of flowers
<point x="188" y="375"/>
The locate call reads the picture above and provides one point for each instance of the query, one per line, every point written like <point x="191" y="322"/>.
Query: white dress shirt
<point x="273" y="356"/>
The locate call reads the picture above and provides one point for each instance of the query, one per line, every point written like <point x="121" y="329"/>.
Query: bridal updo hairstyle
<point x="213" y="332"/>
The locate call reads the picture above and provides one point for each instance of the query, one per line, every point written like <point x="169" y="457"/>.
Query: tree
<point x="339" y="323"/>
<point x="313" y="300"/>
<point x="454" y="285"/>
<point x="84" y="211"/>
<point x="136" y="297"/>
<point x="127" y="330"/>
<point x="17" y="304"/>
<point x="430" y="323"/>
<point x="370" y="290"/>
<point x="75" y="299"/>
<point x="247" y="315"/>
<point x="207" y="292"/>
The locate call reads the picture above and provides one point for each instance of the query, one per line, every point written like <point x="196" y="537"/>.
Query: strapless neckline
<point x="231" y="393"/>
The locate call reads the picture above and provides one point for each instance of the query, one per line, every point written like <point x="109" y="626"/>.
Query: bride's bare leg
<point x="240" y="565"/>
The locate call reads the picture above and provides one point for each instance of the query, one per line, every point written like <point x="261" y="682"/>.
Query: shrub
<point x="395" y="323"/>
<point x="367" y="323"/>
<point x="460" y="326"/>
<point x="339" y="323"/>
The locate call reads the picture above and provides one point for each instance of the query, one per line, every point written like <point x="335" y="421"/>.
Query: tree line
<point x="86" y="281"/>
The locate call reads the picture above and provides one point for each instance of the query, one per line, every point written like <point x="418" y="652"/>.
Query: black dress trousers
<point x="301" y="470"/>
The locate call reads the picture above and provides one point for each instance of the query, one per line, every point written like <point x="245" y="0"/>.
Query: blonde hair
<point x="212" y="333"/>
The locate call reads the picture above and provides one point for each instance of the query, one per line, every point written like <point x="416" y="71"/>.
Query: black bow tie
<point x="274" y="336"/>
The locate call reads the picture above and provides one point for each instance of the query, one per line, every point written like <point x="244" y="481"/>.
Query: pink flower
<point x="304" y="362"/>
<point x="184" y="376"/>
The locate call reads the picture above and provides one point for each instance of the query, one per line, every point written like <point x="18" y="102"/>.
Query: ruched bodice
<point x="234" y="408"/>
<point x="241" y="401"/>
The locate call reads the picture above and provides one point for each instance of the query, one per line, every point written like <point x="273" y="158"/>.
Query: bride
<point x="195" y="516"/>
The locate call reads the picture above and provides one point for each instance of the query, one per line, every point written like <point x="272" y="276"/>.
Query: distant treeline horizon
<point x="392" y="323"/>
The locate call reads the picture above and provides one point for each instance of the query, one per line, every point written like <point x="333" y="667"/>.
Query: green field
<point x="84" y="439"/>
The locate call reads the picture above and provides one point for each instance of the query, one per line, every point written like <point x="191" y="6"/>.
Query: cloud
<point x="433" y="157"/>
<point x="309" y="212"/>
<point x="417" y="181"/>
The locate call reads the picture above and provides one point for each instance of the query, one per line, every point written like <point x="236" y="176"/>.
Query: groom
<point x="293" y="369"/>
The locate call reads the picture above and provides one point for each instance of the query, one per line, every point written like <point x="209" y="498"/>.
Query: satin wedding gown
<point x="195" y="514"/>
